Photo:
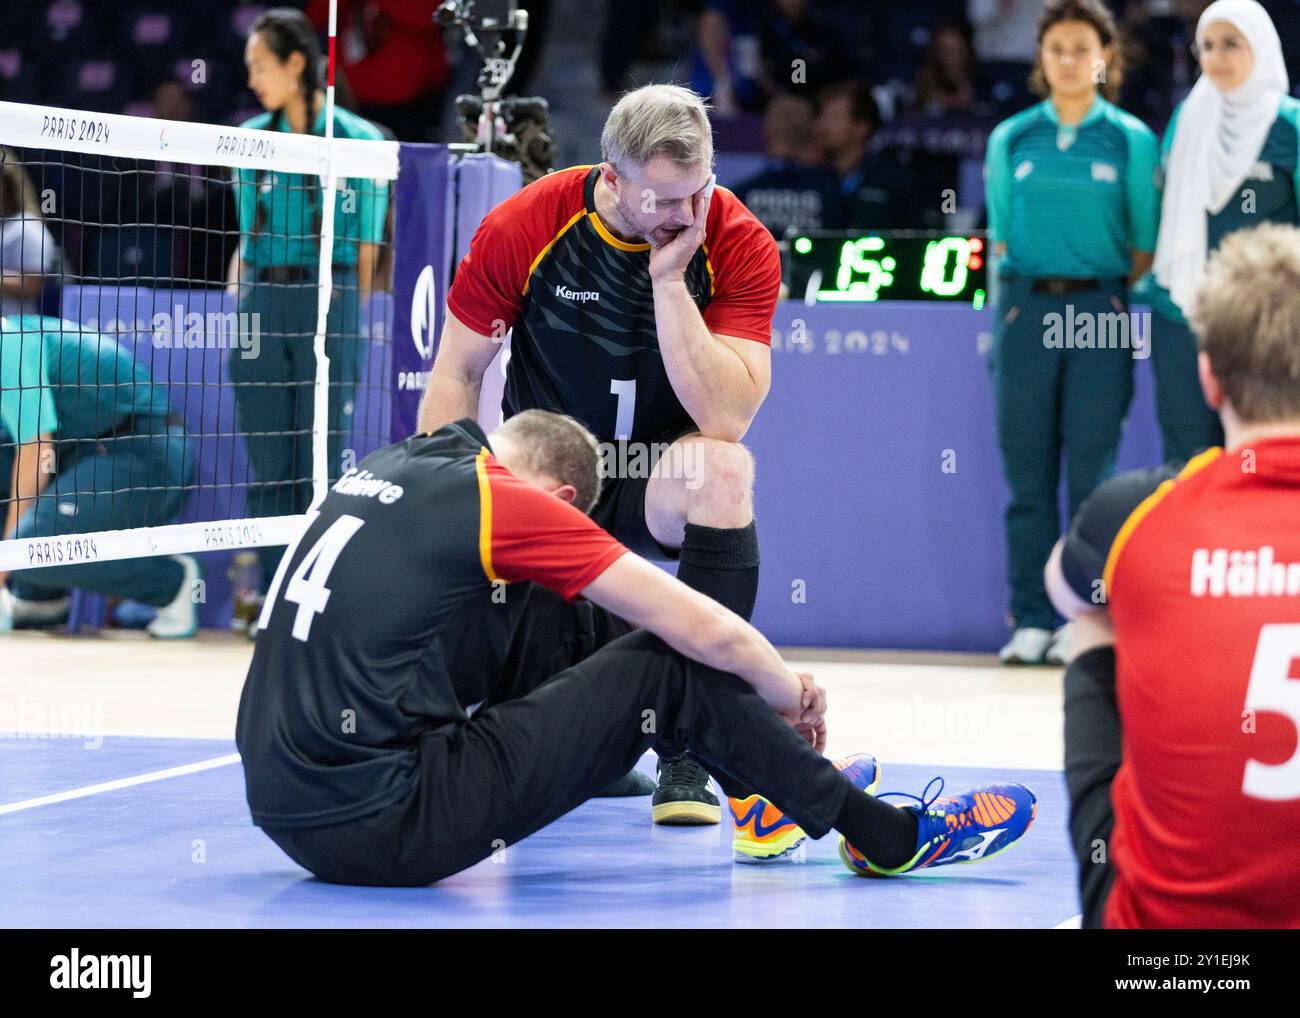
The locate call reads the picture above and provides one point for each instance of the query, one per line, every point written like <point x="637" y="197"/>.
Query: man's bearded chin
<point x="631" y="220"/>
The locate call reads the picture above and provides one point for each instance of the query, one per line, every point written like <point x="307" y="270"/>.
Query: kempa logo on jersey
<point x="581" y="296"/>
<point x="1220" y="572"/>
<point x="74" y="971"/>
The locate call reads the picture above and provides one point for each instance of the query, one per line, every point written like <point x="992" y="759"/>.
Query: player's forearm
<point x="696" y="626"/>
<point x="1142" y="261"/>
<point x="748" y="654"/>
<point x="709" y="378"/>
<point x="723" y="640"/>
<point x="365" y="270"/>
<point x="26" y="482"/>
<point x="21" y="284"/>
<point x="448" y="398"/>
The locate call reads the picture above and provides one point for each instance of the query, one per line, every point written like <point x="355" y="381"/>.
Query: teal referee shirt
<point x="58" y="378"/>
<point x="1269" y="194"/>
<point x="1072" y="201"/>
<point x="286" y="231"/>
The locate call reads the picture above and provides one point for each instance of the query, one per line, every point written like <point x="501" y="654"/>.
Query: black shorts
<point x="1093" y="741"/>
<point x="565" y="718"/>
<point x="621" y="510"/>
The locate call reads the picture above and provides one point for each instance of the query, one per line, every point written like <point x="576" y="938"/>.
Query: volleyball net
<point x="194" y="339"/>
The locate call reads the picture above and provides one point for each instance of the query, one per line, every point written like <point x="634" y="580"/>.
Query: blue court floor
<point x="180" y="851"/>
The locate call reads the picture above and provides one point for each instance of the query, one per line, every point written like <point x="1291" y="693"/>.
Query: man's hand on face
<point x="669" y="258"/>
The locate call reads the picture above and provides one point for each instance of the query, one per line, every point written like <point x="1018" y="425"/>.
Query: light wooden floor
<point x="948" y="709"/>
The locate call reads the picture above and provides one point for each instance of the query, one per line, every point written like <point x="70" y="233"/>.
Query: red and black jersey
<point x="1201" y="573"/>
<point x="581" y="305"/>
<point x="389" y="617"/>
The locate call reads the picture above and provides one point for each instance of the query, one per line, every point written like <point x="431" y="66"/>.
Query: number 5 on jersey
<point x="307" y="584"/>
<point x="1273" y="688"/>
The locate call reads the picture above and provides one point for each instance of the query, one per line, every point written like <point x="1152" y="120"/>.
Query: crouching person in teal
<point x="1072" y="221"/>
<point x="1231" y="161"/>
<point x="88" y="443"/>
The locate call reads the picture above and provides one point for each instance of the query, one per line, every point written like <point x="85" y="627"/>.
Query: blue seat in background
<point x="59" y="29"/>
<point x="100" y="84"/>
<point x="17" y="76"/>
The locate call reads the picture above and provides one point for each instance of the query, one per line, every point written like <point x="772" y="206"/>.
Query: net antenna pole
<point x="324" y="288"/>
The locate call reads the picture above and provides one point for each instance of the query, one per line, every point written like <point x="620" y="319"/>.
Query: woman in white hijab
<point x="1230" y="162"/>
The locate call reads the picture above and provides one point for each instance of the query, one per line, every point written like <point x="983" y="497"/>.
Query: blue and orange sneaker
<point x="964" y="828"/>
<point x="764" y="834"/>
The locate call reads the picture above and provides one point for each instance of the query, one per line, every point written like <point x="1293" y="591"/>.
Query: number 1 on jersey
<point x="625" y="390"/>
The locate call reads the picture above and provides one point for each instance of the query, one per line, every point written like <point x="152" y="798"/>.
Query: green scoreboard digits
<point x="864" y="267"/>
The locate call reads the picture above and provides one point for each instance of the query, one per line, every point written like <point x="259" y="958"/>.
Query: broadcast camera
<point x="514" y="128"/>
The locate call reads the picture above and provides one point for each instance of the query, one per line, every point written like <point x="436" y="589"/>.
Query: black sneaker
<point x="683" y="796"/>
<point x="630" y="784"/>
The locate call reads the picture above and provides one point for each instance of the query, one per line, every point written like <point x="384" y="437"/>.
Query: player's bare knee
<point x="722" y="491"/>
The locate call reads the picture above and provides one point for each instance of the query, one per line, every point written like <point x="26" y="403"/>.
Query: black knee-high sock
<point x="722" y="563"/>
<point x="883" y="833"/>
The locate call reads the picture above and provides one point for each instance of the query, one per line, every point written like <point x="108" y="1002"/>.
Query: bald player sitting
<point x="445" y="665"/>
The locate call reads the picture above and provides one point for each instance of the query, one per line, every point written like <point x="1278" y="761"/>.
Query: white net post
<point x="320" y="417"/>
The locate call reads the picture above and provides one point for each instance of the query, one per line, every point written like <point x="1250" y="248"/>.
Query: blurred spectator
<point x="1156" y="59"/>
<point x="946" y="83"/>
<point x="728" y="63"/>
<point x="799" y="48"/>
<point x="875" y="192"/>
<point x="793" y="190"/>
<point x="1006" y="45"/>
<point x="627" y="29"/>
<point x="203" y="200"/>
<point x="1005" y="30"/>
<point x="394" y="59"/>
<point x="27" y="251"/>
<point x="171" y="102"/>
<point x="192" y="208"/>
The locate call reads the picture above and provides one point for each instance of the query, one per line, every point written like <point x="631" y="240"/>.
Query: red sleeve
<point x="746" y="272"/>
<point x="531" y="535"/>
<point x="487" y="293"/>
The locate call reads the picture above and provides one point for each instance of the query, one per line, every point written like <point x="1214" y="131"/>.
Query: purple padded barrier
<point x="482" y="183"/>
<point x="421" y="266"/>
<point x="866" y="541"/>
<point x="435" y="224"/>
